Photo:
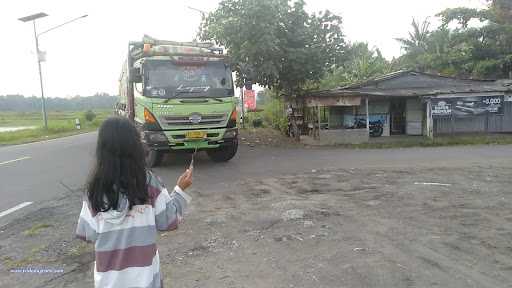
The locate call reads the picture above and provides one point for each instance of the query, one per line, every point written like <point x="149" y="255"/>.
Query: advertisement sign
<point x="441" y="108"/>
<point x="467" y="106"/>
<point x="250" y="100"/>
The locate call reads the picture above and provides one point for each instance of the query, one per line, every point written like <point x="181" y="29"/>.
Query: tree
<point x="89" y="115"/>
<point x="416" y="45"/>
<point x="284" y="46"/>
<point x="480" y="51"/>
<point x="417" y="41"/>
<point x="462" y="15"/>
<point x="503" y="10"/>
<point x="361" y="63"/>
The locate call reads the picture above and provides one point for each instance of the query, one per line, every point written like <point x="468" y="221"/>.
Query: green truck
<point x="181" y="96"/>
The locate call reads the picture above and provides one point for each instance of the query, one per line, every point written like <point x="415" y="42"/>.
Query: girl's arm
<point x="169" y="207"/>
<point x="87" y="227"/>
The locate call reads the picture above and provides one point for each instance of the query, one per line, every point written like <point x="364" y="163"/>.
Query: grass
<point x="78" y="250"/>
<point x="34" y="230"/>
<point x="419" y="141"/>
<point x="25" y="261"/>
<point x="261" y="134"/>
<point x="60" y="124"/>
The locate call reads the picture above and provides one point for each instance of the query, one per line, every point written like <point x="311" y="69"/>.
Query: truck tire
<point x="223" y="153"/>
<point x="154" y="158"/>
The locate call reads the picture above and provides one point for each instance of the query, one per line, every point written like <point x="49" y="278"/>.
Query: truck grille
<point x="206" y="119"/>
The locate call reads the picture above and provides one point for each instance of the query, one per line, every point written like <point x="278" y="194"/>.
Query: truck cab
<point x="181" y="96"/>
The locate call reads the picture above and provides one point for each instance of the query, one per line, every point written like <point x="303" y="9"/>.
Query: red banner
<point x="250" y="100"/>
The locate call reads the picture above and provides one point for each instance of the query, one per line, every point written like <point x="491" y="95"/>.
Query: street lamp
<point x="203" y="13"/>
<point x="40" y="54"/>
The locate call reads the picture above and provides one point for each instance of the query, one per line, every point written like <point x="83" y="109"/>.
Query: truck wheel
<point x="224" y="153"/>
<point x="154" y="158"/>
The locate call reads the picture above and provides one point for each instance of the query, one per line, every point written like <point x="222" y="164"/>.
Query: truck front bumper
<point x="176" y="139"/>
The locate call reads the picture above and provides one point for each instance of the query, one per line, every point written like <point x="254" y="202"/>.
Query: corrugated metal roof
<point x="412" y="83"/>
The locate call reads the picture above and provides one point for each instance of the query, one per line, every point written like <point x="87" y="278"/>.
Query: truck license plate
<point x="195" y="135"/>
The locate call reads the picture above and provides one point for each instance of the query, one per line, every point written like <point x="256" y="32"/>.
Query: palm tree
<point x="417" y="41"/>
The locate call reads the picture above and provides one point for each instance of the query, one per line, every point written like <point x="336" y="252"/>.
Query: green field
<point x="59" y="124"/>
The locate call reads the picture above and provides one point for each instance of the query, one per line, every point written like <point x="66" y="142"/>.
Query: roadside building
<point x="409" y="103"/>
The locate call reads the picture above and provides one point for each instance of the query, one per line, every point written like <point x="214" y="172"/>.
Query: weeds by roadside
<point x="419" y="141"/>
<point x="30" y="259"/>
<point x="34" y="230"/>
<point x="272" y="137"/>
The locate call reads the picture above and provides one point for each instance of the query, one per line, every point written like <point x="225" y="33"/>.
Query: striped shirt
<point x="125" y="241"/>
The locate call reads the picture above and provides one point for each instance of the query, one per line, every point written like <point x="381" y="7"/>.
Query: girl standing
<point x="125" y="205"/>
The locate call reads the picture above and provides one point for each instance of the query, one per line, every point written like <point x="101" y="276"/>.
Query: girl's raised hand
<point x="185" y="179"/>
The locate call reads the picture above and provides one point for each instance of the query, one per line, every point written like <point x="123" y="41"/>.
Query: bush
<point x="257" y="122"/>
<point x="274" y="115"/>
<point x="90" y="115"/>
<point x="97" y="122"/>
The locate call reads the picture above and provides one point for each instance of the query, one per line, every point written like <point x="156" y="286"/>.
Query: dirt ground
<point x="325" y="228"/>
<point x="253" y="137"/>
<point x="350" y="228"/>
<point x="338" y="227"/>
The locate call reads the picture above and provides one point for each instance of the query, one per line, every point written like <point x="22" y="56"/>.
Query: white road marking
<point x="435" y="184"/>
<point x="17" y="207"/>
<point x="15" y="160"/>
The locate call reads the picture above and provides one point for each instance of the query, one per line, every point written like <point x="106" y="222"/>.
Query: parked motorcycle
<point x="376" y="127"/>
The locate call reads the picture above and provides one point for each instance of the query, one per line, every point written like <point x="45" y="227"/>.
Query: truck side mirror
<point x="135" y="75"/>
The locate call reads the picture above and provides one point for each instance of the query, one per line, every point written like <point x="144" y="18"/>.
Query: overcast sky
<point x="85" y="57"/>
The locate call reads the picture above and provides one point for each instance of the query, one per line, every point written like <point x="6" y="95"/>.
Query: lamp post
<point x="203" y="16"/>
<point x="40" y="54"/>
<point x="203" y="13"/>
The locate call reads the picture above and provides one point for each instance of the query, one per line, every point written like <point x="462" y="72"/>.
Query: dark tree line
<point x="19" y="103"/>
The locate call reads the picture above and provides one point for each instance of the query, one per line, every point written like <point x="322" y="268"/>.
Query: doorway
<point x="397" y="116"/>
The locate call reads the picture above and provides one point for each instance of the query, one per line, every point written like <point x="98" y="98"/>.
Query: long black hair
<point x="119" y="168"/>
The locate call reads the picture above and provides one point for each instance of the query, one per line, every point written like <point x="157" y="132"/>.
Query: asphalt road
<point x="43" y="170"/>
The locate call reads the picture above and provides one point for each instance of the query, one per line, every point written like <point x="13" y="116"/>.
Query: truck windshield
<point x="165" y="79"/>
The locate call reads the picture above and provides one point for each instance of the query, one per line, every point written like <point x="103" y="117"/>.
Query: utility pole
<point x="33" y="18"/>
<point x="40" y="54"/>
<point x="243" y="106"/>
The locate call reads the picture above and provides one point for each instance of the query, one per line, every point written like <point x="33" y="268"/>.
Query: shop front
<point x="410" y="103"/>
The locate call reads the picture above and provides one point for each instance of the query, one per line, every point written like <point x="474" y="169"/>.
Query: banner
<point x="250" y="100"/>
<point x="467" y="106"/>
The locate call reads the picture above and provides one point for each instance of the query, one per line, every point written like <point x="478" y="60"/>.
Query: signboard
<point x="441" y="108"/>
<point x="467" y="106"/>
<point x="508" y="98"/>
<point x="250" y="100"/>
